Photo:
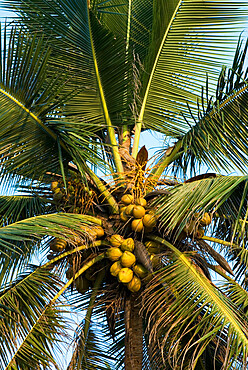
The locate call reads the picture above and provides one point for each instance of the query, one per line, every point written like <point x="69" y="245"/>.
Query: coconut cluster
<point x="58" y="245"/>
<point x="75" y="198"/>
<point x="135" y="209"/>
<point x="125" y="267"/>
<point x="196" y="227"/>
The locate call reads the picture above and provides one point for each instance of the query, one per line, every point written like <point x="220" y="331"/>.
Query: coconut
<point x="127" y="245"/>
<point x="116" y="240"/>
<point x="123" y="208"/>
<point x="127" y="199"/>
<point x="54" y="185"/>
<point x="82" y="284"/>
<point x="206" y="219"/>
<point x="127" y="259"/>
<point x="138" y="211"/>
<point x="155" y="260"/>
<point x="140" y="271"/>
<point x="134" y="285"/>
<point x="129" y="209"/>
<point x="58" y="245"/>
<point x="99" y="231"/>
<point x="115" y="268"/>
<point x="58" y="196"/>
<point x="141" y="202"/>
<point x="152" y="247"/>
<point x="137" y="225"/>
<point x="123" y="217"/>
<point x="114" y="253"/>
<point x="149" y="220"/>
<point x="125" y="275"/>
<point x="200" y="232"/>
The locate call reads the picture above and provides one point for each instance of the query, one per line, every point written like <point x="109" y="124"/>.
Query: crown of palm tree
<point x="133" y="241"/>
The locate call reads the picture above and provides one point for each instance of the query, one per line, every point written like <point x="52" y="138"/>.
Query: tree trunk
<point x="133" y="334"/>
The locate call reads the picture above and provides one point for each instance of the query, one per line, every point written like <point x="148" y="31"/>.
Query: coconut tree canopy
<point x="152" y="249"/>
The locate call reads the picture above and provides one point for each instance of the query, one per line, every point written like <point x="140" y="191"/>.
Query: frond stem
<point x="162" y="164"/>
<point x="110" y="128"/>
<point x="138" y="125"/>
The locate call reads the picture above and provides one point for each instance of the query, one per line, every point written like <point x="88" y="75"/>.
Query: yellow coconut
<point x="152" y="247"/>
<point x="206" y="219"/>
<point x="137" y="225"/>
<point x="149" y="220"/>
<point x="127" y="259"/>
<point x="54" y="185"/>
<point x="125" y="275"/>
<point x="127" y="245"/>
<point x="58" y="245"/>
<point x="123" y="208"/>
<point x="99" y="231"/>
<point x="134" y="285"/>
<point x="140" y="271"/>
<point x="127" y="199"/>
<point x="124" y="217"/>
<point x="82" y="284"/>
<point x="114" y="253"/>
<point x="141" y="202"/>
<point x="116" y="240"/>
<point x="115" y="268"/>
<point x="200" y="233"/>
<point x="138" y="211"/>
<point x="129" y="209"/>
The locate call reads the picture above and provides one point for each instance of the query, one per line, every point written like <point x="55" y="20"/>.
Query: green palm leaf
<point x="25" y="326"/>
<point x="182" y="60"/>
<point x="64" y="225"/>
<point x="195" y="295"/>
<point x="197" y="196"/>
<point x="17" y="207"/>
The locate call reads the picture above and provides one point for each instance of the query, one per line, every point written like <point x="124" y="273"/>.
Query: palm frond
<point x="17" y="207"/>
<point x="197" y="196"/>
<point x="64" y="225"/>
<point x="75" y="43"/>
<point x="194" y="296"/>
<point x="90" y="353"/>
<point x="182" y="60"/>
<point x="236" y="293"/>
<point x="29" y="324"/>
<point x="218" y="139"/>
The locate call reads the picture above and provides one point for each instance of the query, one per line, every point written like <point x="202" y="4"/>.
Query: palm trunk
<point x="134" y="335"/>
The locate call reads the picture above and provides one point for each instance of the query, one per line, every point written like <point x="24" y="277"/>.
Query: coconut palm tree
<point x="152" y="249"/>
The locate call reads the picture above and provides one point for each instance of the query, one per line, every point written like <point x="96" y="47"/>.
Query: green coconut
<point x="140" y="271"/>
